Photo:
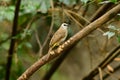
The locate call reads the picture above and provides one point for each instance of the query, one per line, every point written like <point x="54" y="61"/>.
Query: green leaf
<point x="28" y="6"/>
<point x="20" y="46"/>
<point x="108" y="1"/>
<point x="25" y="43"/>
<point x="112" y="27"/>
<point x="118" y="14"/>
<point x="113" y="1"/>
<point x="3" y="36"/>
<point x="68" y="2"/>
<point x="25" y="34"/>
<point x="28" y="44"/>
<point x="104" y="2"/>
<point x="6" y="44"/>
<point x="109" y="34"/>
<point x="118" y="37"/>
<point x="6" y="13"/>
<point x="84" y="1"/>
<point x="44" y="6"/>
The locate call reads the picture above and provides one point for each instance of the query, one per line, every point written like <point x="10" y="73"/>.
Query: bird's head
<point x="64" y="25"/>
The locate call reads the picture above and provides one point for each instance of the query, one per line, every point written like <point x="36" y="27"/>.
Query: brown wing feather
<point x="57" y="36"/>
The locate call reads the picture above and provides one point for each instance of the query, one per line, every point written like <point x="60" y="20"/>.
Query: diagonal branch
<point x="55" y="65"/>
<point x="12" y="44"/>
<point x="58" y="62"/>
<point x="101" y="11"/>
<point x="108" y="75"/>
<point x="70" y="43"/>
<point x="114" y="53"/>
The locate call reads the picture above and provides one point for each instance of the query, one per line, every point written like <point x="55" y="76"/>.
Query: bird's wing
<point x="57" y="37"/>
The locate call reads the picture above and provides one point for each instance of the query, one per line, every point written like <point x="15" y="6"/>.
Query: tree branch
<point x="112" y="54"/>
<point x="58" y="62"/>
<point x="12" y="44"/>
<point x="70" y="43"/>
<point x="115" y="70"/>
<point x="101" y="11"/>
<point x="55" y="65"/>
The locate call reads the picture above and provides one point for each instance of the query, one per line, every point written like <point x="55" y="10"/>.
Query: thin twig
<point x="39" y="43"/>
<point x="3" y="41"/>
<point x="80" y="17"/>
<point x="37" y="39"/>
<point x="90" y="51"/>
<point x="50" y="30"/>
<point x="85" y="10"/>
<point x="100" y="73"/>
<point x="68" y="14"/>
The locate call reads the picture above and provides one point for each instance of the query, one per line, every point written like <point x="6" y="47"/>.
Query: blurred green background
<point x="34" y="23"/>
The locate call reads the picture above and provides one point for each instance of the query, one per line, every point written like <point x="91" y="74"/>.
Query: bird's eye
<point x="65" y="24"/>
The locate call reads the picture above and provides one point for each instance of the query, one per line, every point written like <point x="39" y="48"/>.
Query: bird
<point x="59" y="36"/>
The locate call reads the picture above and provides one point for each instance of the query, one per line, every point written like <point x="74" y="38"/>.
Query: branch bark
<point x="55" y="65"/>
<point x="12" y="44"/>
<point x="70" y="43"/>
